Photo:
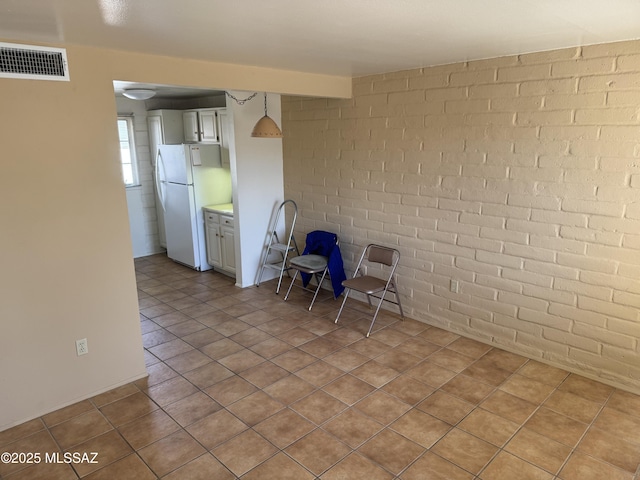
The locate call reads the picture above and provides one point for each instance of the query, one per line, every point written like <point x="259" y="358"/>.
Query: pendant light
<point x="266" y="127"/>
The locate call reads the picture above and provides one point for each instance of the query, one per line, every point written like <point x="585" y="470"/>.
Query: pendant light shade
<point x="266" y="127"/>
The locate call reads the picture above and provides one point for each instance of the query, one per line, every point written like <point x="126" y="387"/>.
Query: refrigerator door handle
<point x="160" y="176"/>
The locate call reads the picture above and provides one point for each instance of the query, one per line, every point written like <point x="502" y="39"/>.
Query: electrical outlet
<point x="82" y="348"/>
<point x="455" y="286"/>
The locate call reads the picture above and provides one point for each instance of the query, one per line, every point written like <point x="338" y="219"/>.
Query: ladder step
<point x="281" y="247"/>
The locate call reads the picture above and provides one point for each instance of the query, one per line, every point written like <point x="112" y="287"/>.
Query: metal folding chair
<point x="373" y="256"/>
<point x="315" y="265"/>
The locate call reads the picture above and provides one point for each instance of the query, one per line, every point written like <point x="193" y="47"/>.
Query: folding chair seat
<point x="320" y="259"/>
<point x="372" y="286"/>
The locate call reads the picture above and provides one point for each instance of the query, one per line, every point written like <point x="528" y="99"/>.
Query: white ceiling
<point x="338" y="37"/>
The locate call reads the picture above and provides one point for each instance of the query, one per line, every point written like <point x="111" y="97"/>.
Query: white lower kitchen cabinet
<point x="220" y="236"/>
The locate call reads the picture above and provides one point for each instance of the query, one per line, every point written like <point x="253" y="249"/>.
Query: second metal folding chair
<point x="374" y="255"/>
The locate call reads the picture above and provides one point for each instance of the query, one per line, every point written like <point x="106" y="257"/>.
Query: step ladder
<point x="277" y="252"/>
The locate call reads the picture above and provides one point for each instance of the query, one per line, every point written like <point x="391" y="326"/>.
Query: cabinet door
<point x="208" y="126"/>
<point x="214" y="246"/>
<point x="223" y="125"/>
<point x="190" y="122"/>
<point x="228" y="248"/>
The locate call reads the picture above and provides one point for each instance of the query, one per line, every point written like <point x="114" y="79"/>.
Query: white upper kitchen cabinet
<point x="224" y="131"/>
<point x="200" y="125"/>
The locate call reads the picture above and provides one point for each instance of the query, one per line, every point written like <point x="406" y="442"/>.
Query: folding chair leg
<point x="395" y="291"/>
<point x="375" y="315"/>
<point x="291" y="285"/>
<point x="317" y="288"/>
<point x="346" y="294"/>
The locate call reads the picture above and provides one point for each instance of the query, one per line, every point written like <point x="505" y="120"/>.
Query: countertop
<point x="223" y="208"/>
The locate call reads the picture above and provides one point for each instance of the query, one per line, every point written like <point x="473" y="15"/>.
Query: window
<point x="127" y="151"/>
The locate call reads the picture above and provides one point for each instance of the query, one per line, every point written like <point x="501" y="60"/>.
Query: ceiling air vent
<point x="36" y="63"/>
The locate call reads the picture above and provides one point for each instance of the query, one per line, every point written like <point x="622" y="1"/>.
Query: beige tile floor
<point x="244" y="385"/>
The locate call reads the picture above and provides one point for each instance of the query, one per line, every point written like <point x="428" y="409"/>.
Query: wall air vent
<point x="36" y="63"/>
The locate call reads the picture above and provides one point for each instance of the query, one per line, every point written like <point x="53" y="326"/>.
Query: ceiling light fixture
<point x="266" y="127"/>
<point x="139" y="93"/>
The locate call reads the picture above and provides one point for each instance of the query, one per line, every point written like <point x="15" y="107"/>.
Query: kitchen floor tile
<point x="356" y="466"/>
<point x="348" y="389"/>
<point x="244" y="452"/>
<point x="128" y="468"/>
<point x="148" y="429"/>
<point x="468" y="389"/>
<point x="188" y="361"/>
<point x="489" y="427"/>
<point x="612" y="449"/>
<point x="289" y="389"/>
<point x="319" y="407"/>
<point x="506" y="466"/>
<point x="510" y="407"/>
<point x="279" y="467"/>
<point x="391" y="450"/>
<point x="375" y="373"/>
<point x="108" y="447"/>
<point x="465" y="451"/>
<point x="430" y="373"/>
<point x="171" y="452"/>
<point x="539" y="450"/>
<point x="584" y="467"/>
<point x="264" y="374"/>
<point x="352" y="428"/>
<point x="382" y="407"/>
<point x="556" y="427"/>
<point x="433" y="467"/>
<point x="208" y="374"/>
<point x="241" y="360"/>
<point x="230" y="390"/>
<point x="319" y="373"/>
<point x="586" y="388"/>
<point x="128" y="408"/>
<point x="445" y="407"/>
<point x="216" y="429"/>
<point x="171" y="391"/>
<point x="255" y="408"/>
<point x="318" y="451"/>
<point x="192" y="408"/>
<point x="205" y="467"/>
<point x="284" y="428"/>
<point x="420" y="428"/>
<point x="80" y="428"/>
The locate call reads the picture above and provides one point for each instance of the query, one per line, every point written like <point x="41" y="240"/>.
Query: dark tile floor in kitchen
<point x="244" y="385"/>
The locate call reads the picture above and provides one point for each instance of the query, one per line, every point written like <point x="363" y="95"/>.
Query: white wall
<point x="143" y="222"/>
<point x="258" y="186"/>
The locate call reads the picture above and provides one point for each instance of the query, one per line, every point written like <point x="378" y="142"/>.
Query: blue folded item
<point x="324" y="243"/>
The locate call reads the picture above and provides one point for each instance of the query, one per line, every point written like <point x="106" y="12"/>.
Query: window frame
<point x="131" y="141"/>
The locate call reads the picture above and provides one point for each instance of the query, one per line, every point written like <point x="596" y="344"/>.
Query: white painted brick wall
<point x="519" y="177"/>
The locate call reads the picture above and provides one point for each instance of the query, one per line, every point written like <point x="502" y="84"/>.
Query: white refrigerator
<point x="187" y="179"/>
